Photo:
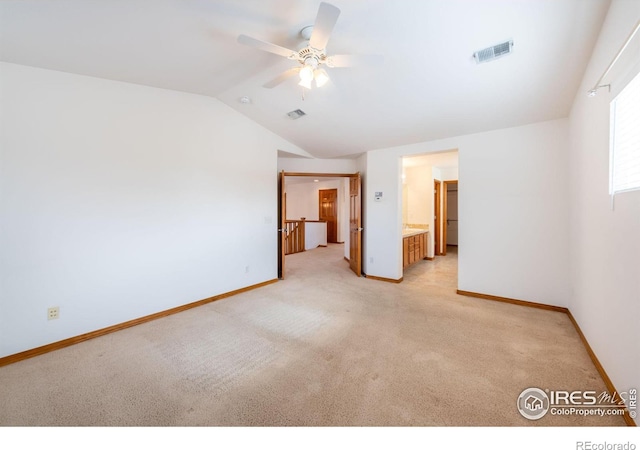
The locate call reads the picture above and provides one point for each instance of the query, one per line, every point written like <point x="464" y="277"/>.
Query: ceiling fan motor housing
<point x="309" y="56"/>
<point x="306" y="32"/>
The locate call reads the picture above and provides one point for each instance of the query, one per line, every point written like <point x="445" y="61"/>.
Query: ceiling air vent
<point x="491" y="53"/>
<point x="296" y="114"/>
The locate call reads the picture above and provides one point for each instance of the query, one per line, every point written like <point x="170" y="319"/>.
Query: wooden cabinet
<point x="414" y="248"/>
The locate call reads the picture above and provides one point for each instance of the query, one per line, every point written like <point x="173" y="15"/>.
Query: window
<point x="625" y="139"/>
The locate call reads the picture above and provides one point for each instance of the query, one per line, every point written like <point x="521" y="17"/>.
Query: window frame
<point x="634" y="78"/>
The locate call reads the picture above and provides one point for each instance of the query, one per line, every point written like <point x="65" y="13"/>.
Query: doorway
<point x="424" y="179"/>
<point x="354" y="232"/>
<point x="437" y="223"/>
<point x="450" y="214"/>
<point x="328" y="212"/>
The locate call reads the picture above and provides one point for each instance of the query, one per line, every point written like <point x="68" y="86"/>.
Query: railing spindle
<point x="294" y="236"/>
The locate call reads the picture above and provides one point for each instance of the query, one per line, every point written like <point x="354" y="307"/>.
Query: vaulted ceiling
<point x="424" y="86"/>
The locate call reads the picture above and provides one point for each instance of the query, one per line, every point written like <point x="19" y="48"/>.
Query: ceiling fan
<point x="312" y="57"/>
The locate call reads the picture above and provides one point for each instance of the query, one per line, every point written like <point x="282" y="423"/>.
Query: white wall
<point x="315" y="235"/>
<point x="449" y="173"/>
<point x="605" y="243"/>
<point x="513" y="212"/>
<point x="419" y="182"/>
<point x="509" y="246"/>
<point x="317" y="165"/>
<point x="119" y="201"/>
<point x="383" y="219"/>
<point x="302" y="200"/>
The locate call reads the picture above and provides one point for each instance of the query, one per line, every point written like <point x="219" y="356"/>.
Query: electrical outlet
<point x="53" y="313"/>
<point x="246" y="269"/>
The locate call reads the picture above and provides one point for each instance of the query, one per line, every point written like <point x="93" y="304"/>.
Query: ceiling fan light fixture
<point x="321" y="77"/>
<point x="306" y="74"/>
<point x="305" y="83"/>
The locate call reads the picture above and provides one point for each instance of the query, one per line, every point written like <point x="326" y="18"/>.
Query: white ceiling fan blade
<point x="351" y="60"/>
<point x="266" y="46"/>
<point x="325" y="21"/>
<point x="282" y="77"/>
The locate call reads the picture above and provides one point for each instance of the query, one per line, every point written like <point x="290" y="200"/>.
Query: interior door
<point x="355" y="222"/>
<point x="282" y="216"/>
<point x="436" y="218"/>
<point x="328" y="211"/>
<point x="450" y="215"/>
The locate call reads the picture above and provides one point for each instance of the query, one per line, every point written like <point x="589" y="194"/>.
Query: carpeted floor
<point x="322" y="348"/>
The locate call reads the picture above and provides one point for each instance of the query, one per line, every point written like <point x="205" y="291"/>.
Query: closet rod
<point x="591" y="92"/>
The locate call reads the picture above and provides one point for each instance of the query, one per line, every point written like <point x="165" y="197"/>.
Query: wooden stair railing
<point x="294" y="236"/>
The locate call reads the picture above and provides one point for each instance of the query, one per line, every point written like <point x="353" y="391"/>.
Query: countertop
<point x="406" y="232"/>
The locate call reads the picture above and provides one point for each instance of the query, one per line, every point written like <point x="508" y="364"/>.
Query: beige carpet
<point x="323" y="347"/>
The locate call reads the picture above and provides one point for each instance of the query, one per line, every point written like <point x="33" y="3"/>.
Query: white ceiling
<point x="425" y="87"/>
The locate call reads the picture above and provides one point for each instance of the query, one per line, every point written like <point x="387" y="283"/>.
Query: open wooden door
<point x="355" y="221"/>
<point x="437" y="221"/>
<point x="328" y="211"/>
<point x="282" y="228"/>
